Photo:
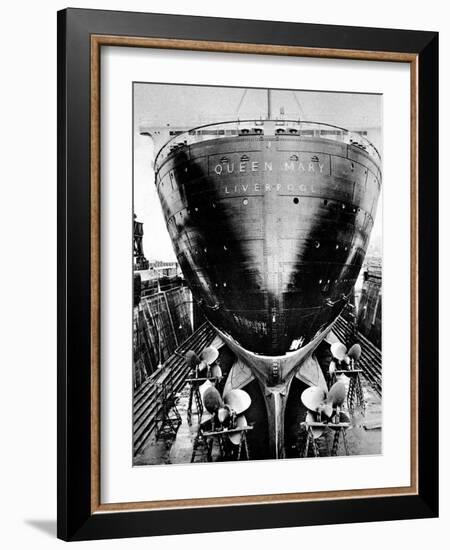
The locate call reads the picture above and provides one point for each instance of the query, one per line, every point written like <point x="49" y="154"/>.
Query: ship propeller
<point x="314" y="398"/>
<point x="192" y="359"/>
<point x="237" y="400"/>
<point x="317" y="400"/>
<point x="332" y="368"/>
<point x="336" y="395"/>
<point x="241" y="422"/>
<point x="335" y="399"/>
<point x="216" y="372"/>
<point x="338" y="351"/>
<point x="194" y="363"/>
<point x="212" y="400"/>
<point x="209" y="355"/>
<point x="354" y="352"/>
<point x="236" y="403"/>
<point x="223" y="414"/>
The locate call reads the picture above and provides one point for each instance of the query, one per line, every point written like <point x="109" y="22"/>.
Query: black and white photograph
<point x="257" y="274"/>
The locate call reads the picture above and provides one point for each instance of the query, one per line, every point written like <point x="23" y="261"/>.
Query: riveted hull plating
<point x="270" y="232"/>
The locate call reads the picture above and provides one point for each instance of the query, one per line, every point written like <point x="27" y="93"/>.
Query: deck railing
<point x="281" y="129"/>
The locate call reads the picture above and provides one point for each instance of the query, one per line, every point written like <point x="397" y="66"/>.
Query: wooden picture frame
<point x="81" y="35"/>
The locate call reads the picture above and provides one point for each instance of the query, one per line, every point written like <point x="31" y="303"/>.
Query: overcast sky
<point x="163" y="106"/>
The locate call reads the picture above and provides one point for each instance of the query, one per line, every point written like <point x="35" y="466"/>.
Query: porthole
<point x="296" y="200"/>
<point x="245" y="202"/>
<point x="317" y="244"/>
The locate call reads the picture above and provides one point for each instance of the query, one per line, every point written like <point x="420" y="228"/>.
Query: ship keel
<point x="274" y="375"/>
<point x="275" y="399"/>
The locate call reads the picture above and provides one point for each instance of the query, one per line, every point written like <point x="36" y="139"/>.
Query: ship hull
<point x="270" y="233"/>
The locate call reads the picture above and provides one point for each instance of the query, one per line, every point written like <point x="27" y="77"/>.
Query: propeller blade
<point x="338" y="351"/>
<point x="203" y="387"/>
<point x="355" y="352"/>
<point x="332" y="367"/>
<point x="336" y="395"/>
<point x="223" y="414"/>
<point x="209" y="355"/>
<point x="212" y="400"/>
<point x="313" y="398"/>
<point x="202" y="366"/>
<point x="192" y="359"/>
<point x="327" y="410"/>
<point x="238" y="400"/>
<point x="216" y="371"/>
<point x="241" y="422"/>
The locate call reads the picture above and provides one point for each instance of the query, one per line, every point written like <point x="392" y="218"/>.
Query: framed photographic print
<point x="247" y="251"/>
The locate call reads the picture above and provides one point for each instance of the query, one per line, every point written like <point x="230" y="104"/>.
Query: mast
<point x="269" y="104"/>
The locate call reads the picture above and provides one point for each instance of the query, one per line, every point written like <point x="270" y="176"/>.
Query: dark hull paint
<point x="270" y="232"/>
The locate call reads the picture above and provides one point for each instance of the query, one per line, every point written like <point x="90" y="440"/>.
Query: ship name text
<point x="256" y="166"/>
